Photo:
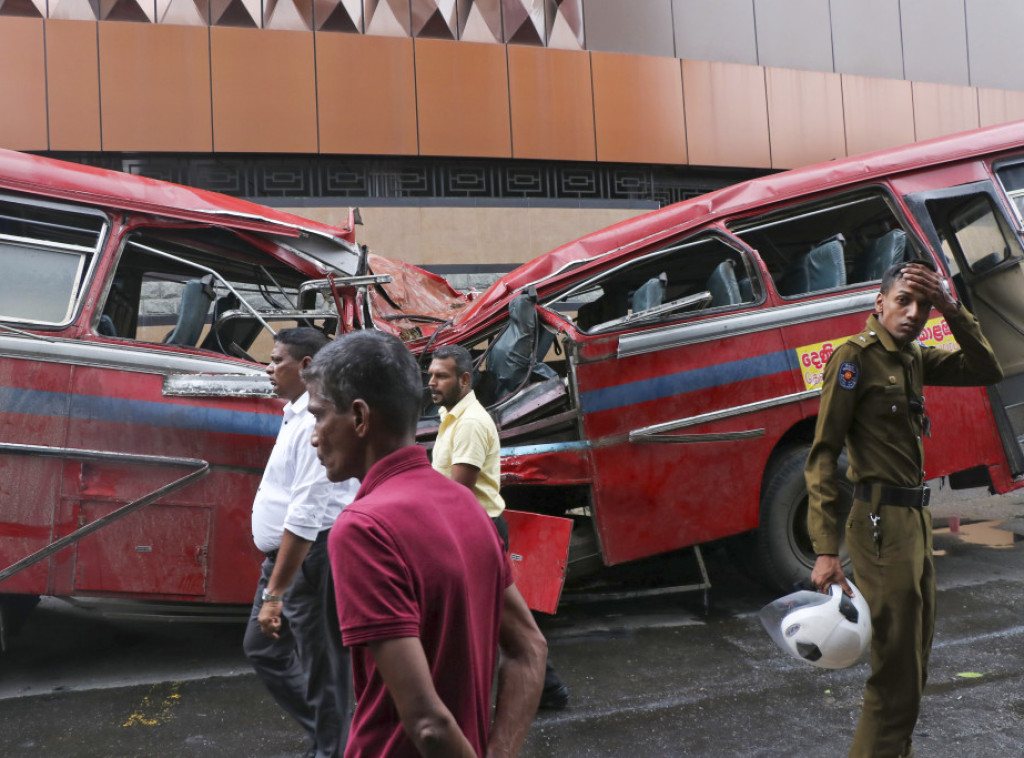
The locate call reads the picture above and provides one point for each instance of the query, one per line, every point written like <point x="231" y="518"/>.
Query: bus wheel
<point x="784" y="552"/>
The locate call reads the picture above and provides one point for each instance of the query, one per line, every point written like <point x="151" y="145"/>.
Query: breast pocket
<point x="889" y="403"/>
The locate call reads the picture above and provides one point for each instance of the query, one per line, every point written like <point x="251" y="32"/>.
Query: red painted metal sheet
<point x="570" y="466"/>
<point x="652" y="497"/>
<point x="412" y="292"/>
<point x="114" y="189"/>
<point x="160" y="550"/>
<point x="539" y="554"/>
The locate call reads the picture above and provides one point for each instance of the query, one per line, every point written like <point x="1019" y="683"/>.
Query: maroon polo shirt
<point x="414" y="555"/>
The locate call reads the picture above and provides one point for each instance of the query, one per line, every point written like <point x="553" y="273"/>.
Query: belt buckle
<point x="926" y="496"/>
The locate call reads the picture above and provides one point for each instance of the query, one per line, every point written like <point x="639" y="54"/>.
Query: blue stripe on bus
<point x="659" y="387"/>
<point x="142" y="412"/>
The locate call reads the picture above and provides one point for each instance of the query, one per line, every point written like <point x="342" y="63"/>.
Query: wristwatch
<point x="268" y="598"/>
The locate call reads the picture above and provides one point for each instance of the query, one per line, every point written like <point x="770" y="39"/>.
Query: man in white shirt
<point x="289" y="641"/>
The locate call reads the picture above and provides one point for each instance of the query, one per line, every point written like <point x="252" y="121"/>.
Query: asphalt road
<point x="649" y="677"/>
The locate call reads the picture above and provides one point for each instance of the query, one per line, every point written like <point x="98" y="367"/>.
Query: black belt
<point x="908" y="497"/>
<point x="320" y="537"/>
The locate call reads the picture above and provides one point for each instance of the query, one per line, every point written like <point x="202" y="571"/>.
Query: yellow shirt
<point x="468" y="435"/>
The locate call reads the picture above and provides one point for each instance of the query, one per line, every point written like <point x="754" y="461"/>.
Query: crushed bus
<point x="655" y="384"/>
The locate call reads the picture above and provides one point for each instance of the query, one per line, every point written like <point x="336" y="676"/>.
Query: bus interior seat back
<point x="241" y="331"/>
<point x="196" y="298"/>
<point x="106" y="326"/>
<point x="822" y="267"/>
<point x="613" y="304"/>
<point x="746" y="289"/>
<point x="723" y="285"/>
<point x="880" y="253"/>
<point x="651" y="293"/>
<point x="518" y="346"/>
<point x="118" y="312"/>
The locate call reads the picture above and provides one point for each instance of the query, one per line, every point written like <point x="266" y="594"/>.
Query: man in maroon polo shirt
<point x="425" y="594"/>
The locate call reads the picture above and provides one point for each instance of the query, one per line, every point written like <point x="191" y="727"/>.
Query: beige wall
<point x="470" y="236"/>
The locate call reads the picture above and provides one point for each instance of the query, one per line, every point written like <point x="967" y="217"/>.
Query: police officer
<point x="872" y="402"/>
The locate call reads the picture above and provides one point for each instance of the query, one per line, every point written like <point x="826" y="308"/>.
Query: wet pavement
<point x="649" y="677"/>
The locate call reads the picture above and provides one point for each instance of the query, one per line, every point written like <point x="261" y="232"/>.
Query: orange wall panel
<point x="552" y="104"/>
<point x="366" y="94"/>
<point x="726" y="114"/>
<point x="22" y="84"/>
<point x="879" y="113"/>
<point x="943" y="109"/>
<point x="462" y="99"/>
<point x="154" y="87"/>
<point x="638" y="109"/>
<point x="805" y="117"/>
<point x="997" y="106"/>
<point x="73" y="85"/>
<point x="264" y="92"/>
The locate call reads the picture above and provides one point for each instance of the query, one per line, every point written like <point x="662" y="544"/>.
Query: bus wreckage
<point x="655" y="384"/>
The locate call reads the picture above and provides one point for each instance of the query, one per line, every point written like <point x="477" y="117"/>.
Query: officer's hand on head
<point x="828" y="570"/>
<point x="922" y="279"/>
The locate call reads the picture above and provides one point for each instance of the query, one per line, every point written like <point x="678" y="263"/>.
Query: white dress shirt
<point x="295" y="493"/>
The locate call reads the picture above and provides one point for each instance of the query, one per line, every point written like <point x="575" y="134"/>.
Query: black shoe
<point x="554" y="698"/>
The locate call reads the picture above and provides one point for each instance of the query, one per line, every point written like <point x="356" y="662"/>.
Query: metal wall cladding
<point x="960" y="42"/>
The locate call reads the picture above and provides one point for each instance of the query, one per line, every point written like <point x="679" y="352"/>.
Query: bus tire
<point x="784" y="553"/>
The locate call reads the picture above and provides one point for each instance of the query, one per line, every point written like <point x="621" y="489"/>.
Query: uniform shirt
<point x="468" y="435"/>
<point x="865" y="405"/>
<point x="295" y="493"/>
<point x="414" y="556"/>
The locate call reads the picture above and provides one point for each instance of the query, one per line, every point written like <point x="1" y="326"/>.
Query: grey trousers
<point x="305" y="669"/>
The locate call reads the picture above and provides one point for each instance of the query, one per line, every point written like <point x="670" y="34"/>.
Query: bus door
<point x="979" y="237"/>
<point x="672" y="365"/>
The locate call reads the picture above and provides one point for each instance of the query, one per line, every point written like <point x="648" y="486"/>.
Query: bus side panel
<point x="194" y="543"/>
<point x="33" y="408"/>
<point x="660" y="495"/>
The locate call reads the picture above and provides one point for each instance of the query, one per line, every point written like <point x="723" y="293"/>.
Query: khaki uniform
<point x="869" y="393"/>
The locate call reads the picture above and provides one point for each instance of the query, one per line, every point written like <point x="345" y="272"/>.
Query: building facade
<point x="478" y="134"/>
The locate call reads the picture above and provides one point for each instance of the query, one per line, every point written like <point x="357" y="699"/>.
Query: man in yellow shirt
<point x="467" y="450"/>
<point x="467" y="446"/>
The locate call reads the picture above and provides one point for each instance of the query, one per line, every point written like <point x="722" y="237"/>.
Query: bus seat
<point x="746" y="289"/>
<point x="650" y="294"/>
<point x="106" y="326"/>
<point x="195" y="302"/>
<point x="518" y="347"/>
<point x="241" y="331"/>
<point x="822" y="267"/>
<point x="880" y="253"/>
<point x="723" y="285"/>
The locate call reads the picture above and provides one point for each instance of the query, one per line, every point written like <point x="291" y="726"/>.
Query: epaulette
<point x="863" y="339"/>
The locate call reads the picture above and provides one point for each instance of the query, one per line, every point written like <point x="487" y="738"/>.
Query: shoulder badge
<point x="848" y="374"/>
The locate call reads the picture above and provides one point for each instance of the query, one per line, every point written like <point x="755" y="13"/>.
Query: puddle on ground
<point x="984" y="533"/>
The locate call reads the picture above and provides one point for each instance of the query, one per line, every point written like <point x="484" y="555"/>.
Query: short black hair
<point x="302" y="341"/>
<point x="459" y="354"/>
<point x="895" y="271"/>
<point x="374" y="367"/>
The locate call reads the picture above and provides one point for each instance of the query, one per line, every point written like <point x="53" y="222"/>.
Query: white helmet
<point x="829" y="631"/>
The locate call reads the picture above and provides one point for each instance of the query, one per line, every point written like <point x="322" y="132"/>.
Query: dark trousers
<point x="305" y="669"/>
<point x="899" y="586"/>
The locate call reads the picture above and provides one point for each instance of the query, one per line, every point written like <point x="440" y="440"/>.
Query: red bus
<point x="655" y="384"/>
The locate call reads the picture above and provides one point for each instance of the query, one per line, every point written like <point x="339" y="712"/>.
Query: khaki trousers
<point x="899" y="587"/>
